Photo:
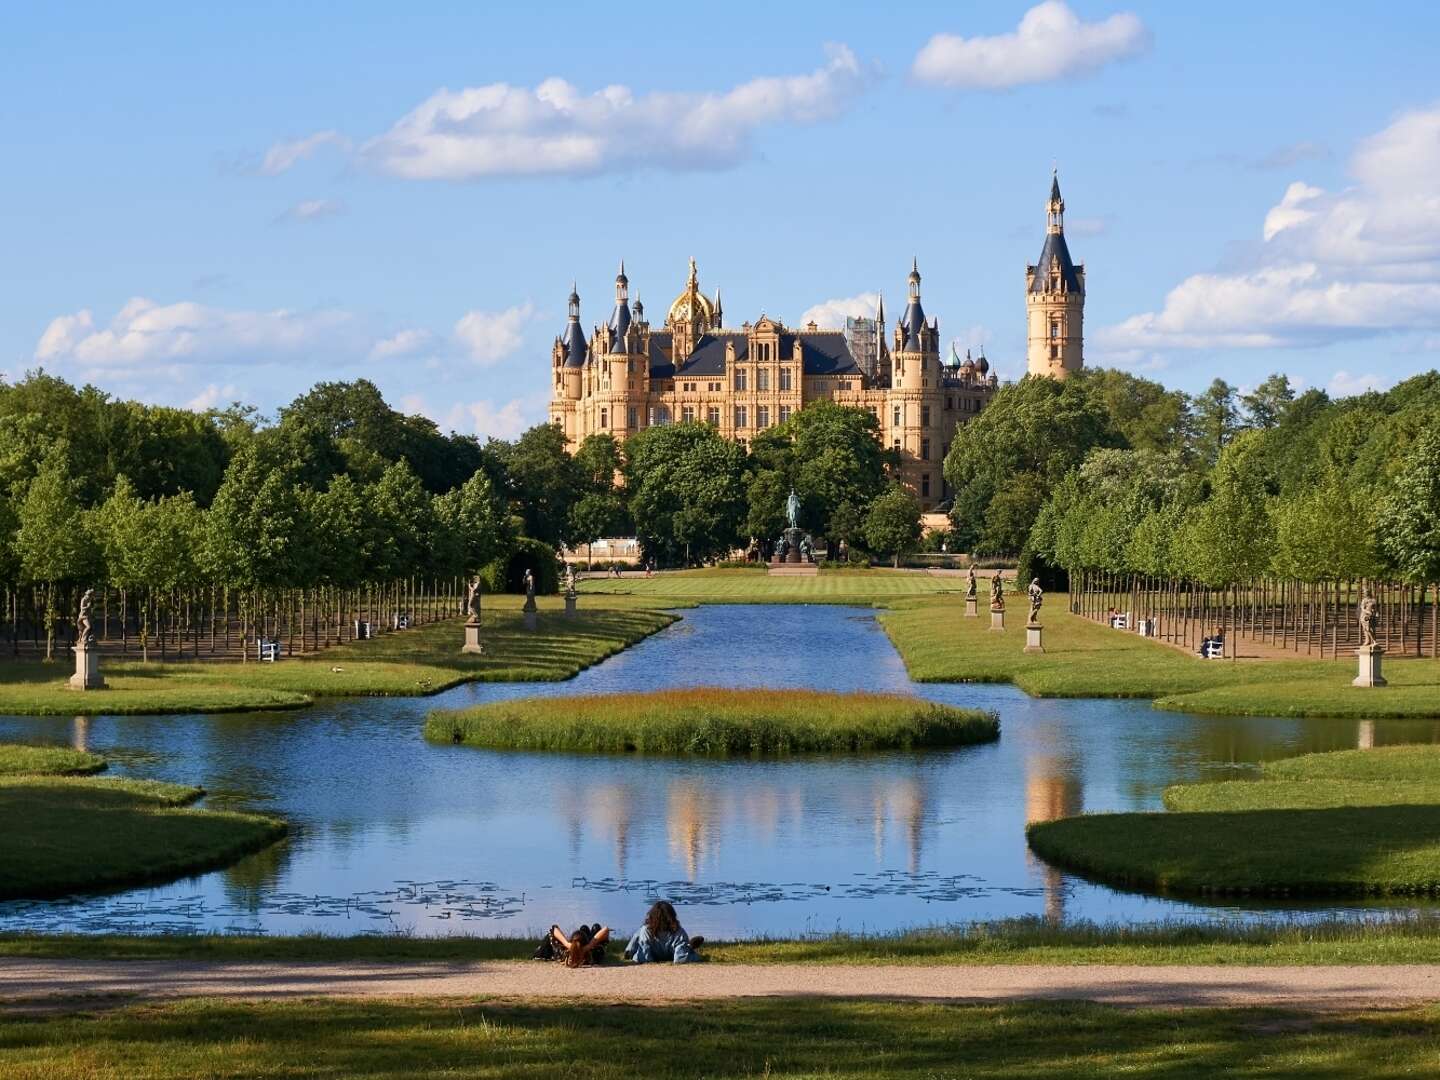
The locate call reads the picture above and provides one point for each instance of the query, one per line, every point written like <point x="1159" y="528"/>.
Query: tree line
<point x="341" y="507"/>
<point x="1266" y="512"/>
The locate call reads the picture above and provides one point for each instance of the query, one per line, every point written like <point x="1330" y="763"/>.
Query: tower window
<point x="740" y="418"/>
<point x="784" y="379"/>
<point x="712" y="416"/>
<point x="687" y="414"/>
<point x="895" y="417"/>
<point x="762" y="380"/>
<point x="604" y="419"/>
<point x="632" y="419"/>
<point x="924" y="449"/>
<point x="784" y="413"/>
<point x="740" y="381"/>
<point x="925" y="415"/>
<point x="762" y="416"/>
<point x="1054" y="329"/>
<point x="925" y="485"/>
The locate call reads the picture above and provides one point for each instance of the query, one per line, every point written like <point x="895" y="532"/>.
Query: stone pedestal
<point x="793" y="536"/>
<point x="997" y="618"/>
<point x="1369" y="657"/>
<point x="971" y="611"/>
<point x="472" y="639"/>
<point x="1032" y="638"/>
<point x="569" y="607"/>
<point x="530" y="619"/>
<point x="87" y="668"/>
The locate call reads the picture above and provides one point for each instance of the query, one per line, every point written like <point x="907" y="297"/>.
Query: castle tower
<point x="1055" y="300"/>
<point x="611" y="410"/>
<point x="567" y="360"/>
<point x="691" y="315"/>
<point x="914" y="421"/>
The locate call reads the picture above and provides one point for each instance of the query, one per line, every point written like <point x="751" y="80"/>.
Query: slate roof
<point x="573" y="339"/>
<point x="619" y="323"/>
<point x="821" y="353"/>
<point x="1055" y="246"/>
<point x="709" y="355"/>
<point x="826" y="354"/>
<point x="660" y="365"/>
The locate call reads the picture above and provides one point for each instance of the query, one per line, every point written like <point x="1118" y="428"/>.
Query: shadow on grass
<point x="768" y="1037"/>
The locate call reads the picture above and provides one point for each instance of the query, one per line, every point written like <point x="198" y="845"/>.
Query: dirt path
<point x="32" y="982"/>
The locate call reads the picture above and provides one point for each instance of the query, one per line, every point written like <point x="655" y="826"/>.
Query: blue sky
<point x="200" y="204"/>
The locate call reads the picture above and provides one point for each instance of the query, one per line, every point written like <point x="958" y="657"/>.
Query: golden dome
<point x="692" y="304"/>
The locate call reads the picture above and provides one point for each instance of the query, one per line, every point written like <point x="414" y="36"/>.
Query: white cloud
<point x="486" y="419"/>
<point x="490" y="336"/>
<point x="285" y="155"/>
<point x="831" y="314"/>
<point x="212" y="396"/>
<point x="1343" y="384"/>
<point x="1359" y="262"/>
<point x="313" y="210"/>
<point x="404" y="343"/>
<point x="554" y="128"/>
<point x="1050" y="43"/>
<point x="144" y="333"/>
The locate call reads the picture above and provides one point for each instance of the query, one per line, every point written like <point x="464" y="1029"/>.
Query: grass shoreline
<point x="714" y="721"/>
<point x="70" y="831"/>
<point x="1016" y="942"/>
<point x="1345" y="823"/>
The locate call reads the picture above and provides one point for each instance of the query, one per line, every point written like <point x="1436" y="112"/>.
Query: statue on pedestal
<point x="1037" y="597"/>
<point x="997" y="593"/>
<point x="1369" y="615"/>
<point x="569" y="582"/>
<point x="792" y="509"/>
<point x="84" y="629"/>
<point x="87" y="653"/>
<point x="472" y="601"/>
<point x="970" y="583"/>
<point x="529" y="590"/>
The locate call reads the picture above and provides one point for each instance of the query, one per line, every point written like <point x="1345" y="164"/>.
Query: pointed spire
<point x="880" y="308"/>
<point x="1055" y="208"/>
<point x="1055" y="184"/>
<point x="622" y="285"/>
<point x="719" y="311"/>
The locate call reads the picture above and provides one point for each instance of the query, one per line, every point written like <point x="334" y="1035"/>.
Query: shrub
<point x="508" y="574"/>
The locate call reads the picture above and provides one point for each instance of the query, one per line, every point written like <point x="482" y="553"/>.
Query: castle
<point x="629" y="376"/>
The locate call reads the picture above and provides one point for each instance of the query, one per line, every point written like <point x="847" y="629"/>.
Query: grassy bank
<point x="47" y="761"/>
<point x="724" y="586"/>
<point x="425" y="660"/>
<point x="1411" y="940"/>
<point x="727" y="1038"/>
<point x="1351" y="823"/>
<point x="73" y="833"/>
<point x="1084" y="659"/>
<point x="710" y="720"/>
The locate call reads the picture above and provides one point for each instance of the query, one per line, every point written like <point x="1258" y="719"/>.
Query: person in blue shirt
<point x="661" y="938"/>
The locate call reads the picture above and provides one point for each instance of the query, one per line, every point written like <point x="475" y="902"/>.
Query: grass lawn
<point x="1349" y="823"/>
<point x="68" y="834"/>
<point x="1411" y="940"/>
<point x="791" y="1037"/>
<point x="710" y="720"/>
<point x="1084" y="659"/>
<point x="413" y="662"/>
<point x="18" y="760"/>
<point x="749" y="586"/>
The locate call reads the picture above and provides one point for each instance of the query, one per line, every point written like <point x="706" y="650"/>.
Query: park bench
<point x="1213" y="649"/>
<point x="267" y="651"/>
<point x="362" y="630"/>
<point x="401" y="621"/>
<point x="1120" y="622"/>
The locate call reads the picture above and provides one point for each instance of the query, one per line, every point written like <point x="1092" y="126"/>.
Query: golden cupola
<point x="692" y="308"/>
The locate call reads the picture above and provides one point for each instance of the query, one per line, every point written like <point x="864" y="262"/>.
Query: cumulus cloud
<point x="144" y="332"/>
<point x="490" y="336"/>
<point x="488" y="420"/>
<point x="312" y="210"/>
<point x="555" y="128"/>
<point x="285" y="155"/>
<point x="404" y="343"/>
<point x="1343" y="384"/>
<point x="1051" y="43"/>
<point x="212" y="396"/>
<point x="831" y="314"/>
<point x="1357" y="262"/>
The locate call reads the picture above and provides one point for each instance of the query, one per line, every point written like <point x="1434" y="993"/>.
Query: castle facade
<point x="630" y="375"/>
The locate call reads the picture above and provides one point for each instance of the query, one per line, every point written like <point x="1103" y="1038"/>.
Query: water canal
<point x="393" y="834"/>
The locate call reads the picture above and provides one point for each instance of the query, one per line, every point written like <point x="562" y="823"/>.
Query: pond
<point x="392" y="834"/>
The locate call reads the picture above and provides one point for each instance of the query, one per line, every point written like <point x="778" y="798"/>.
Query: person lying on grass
<point x="661" y="937"/>
<point x="584" y="947"/>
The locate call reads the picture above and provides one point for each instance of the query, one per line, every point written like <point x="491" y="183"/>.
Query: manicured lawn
<point x="47" y="761"/>
<point x="72" y="834"/>
<point x="715" y="586"/>
<point x="413" y="662"/>
<point x="1084" y="659"/>
<point x="1414" y="940"/>
<point x="1350" y="823"/>
<point x="729" y="1038"/>
<point x="709" y="720"/>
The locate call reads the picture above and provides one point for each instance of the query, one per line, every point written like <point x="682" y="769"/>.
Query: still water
<point x="393" y="834"/>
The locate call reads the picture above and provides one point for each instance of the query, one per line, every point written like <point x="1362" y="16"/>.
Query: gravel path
<point x="32" y="982"/>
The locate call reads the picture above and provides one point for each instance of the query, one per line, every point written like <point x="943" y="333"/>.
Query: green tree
<point x="544" y="482"/>
<point x="1267" y="404"/>
<point x="1229" y="537"/>
<point x="686" y="487"/>
<point x="1217" y="419"/>
<point x="52" y="539"/>
<point x="475" y="523"/>
<point x="401" y="526"/>
<point x="252" y="526"/>
<point x="892" y="525"/>
<point x="1324" y="534"/>
<point x="1408" y="522"/>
